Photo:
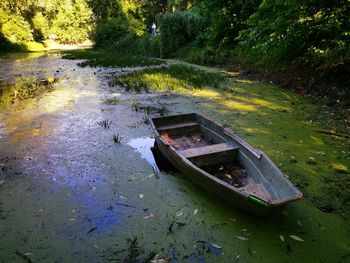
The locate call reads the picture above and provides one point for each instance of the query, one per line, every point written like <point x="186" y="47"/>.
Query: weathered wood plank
<point x="209" y="149"/>
<point x="177" y="125"/>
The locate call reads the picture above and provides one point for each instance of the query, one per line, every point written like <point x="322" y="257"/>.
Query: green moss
<point x="109" y="58"/>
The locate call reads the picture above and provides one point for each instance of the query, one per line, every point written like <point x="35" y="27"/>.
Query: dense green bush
<point x="28" y="21"/>
<point x="226" y="18"/>
<point x="109" y="31"/>
<point x="145" y="45"/>
<point x="114" y="19"/>
<point x="178" y="29"/>
<point x="308" y="32"/>
<point x="14" y="27"/>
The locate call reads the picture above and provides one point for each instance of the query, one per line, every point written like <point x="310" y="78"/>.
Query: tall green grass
<point x="174" y="78"/>
<point x="109" y="58"/>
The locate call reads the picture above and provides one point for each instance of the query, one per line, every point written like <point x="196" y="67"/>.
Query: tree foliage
<point x="312" y="32"/>
<point x="178" y="29"/>
<point x="28" y="20"/>
<point x="268" y="32"/>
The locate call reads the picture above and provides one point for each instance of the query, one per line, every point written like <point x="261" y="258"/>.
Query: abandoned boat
<point x="218" y="160"/>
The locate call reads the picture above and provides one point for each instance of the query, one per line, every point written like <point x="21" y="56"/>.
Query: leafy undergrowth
<point x="291" y="129"/>
<point x="175" y="78"/>
<point x="109" y="58"/>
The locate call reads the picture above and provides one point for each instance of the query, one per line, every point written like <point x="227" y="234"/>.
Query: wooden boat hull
<point x="238" y="197"/>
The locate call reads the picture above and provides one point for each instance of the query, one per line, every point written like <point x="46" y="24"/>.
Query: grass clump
<point x="109" y="58"/>
<point x="117" y="138"/>
<point x="105" y="124"/>
<point x="175" y="78"/>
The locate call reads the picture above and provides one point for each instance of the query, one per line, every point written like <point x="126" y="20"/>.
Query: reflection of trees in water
<point x="24" y="88"/>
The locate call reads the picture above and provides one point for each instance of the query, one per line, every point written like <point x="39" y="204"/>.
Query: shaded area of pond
<point x="69" y="193"/>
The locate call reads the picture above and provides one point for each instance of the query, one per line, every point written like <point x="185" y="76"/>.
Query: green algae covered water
<point x="70" y="193"/>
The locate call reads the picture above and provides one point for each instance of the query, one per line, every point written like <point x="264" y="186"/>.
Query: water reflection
<point x="143" y="147"/>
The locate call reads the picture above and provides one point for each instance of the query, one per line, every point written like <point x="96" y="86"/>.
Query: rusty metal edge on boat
<point x="191" y="142"/>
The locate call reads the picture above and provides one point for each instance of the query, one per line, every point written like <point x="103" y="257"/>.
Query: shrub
<point x="178" y="29"/>
<point x="145" y="45"/>
<point x="307" y="32"/>
<point x="110" y="31"/>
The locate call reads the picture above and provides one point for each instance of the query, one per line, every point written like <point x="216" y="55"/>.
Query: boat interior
<point x="215" y="155"/>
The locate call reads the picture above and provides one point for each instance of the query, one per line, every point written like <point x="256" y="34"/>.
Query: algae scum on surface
<point x="78" y="182"/>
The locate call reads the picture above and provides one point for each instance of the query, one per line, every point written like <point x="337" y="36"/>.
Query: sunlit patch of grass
<point x="340" y="168"/>
<point x="236" y="105"/>
<point x="174" y="78"/>
<point x="109" y="58"/>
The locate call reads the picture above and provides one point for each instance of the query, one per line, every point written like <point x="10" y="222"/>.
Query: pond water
<point x="70" y="193"/>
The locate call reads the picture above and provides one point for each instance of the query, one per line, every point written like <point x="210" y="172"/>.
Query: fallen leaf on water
<point x="195" y="211"/>
<point x="282" y="238"/>
<point x="27" y="254"/>
<point x="215" y="246"/>
<point x="228" y="176"/>
<point x="242" y="238"/>
<point x="179" y="213"/>
<point x="149" y="216"/>
<point x="141" y="196"/>
<point x="40" y="211"/>
<point x="296" y="238"/>
<point x="172" y="205"/>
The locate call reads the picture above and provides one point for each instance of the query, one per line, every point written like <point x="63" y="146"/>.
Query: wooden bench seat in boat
<point x="177" y="126"/>
<point x="208" y="150"/>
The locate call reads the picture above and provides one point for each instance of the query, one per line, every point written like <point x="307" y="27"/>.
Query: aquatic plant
<point x="111" y="101"/>
<point x="109" y="58"/>
<point x="117" y="138"/>
<point x="145" y="119"/>
<point x="175" y="78"/>
<point x="105" y="124"/>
